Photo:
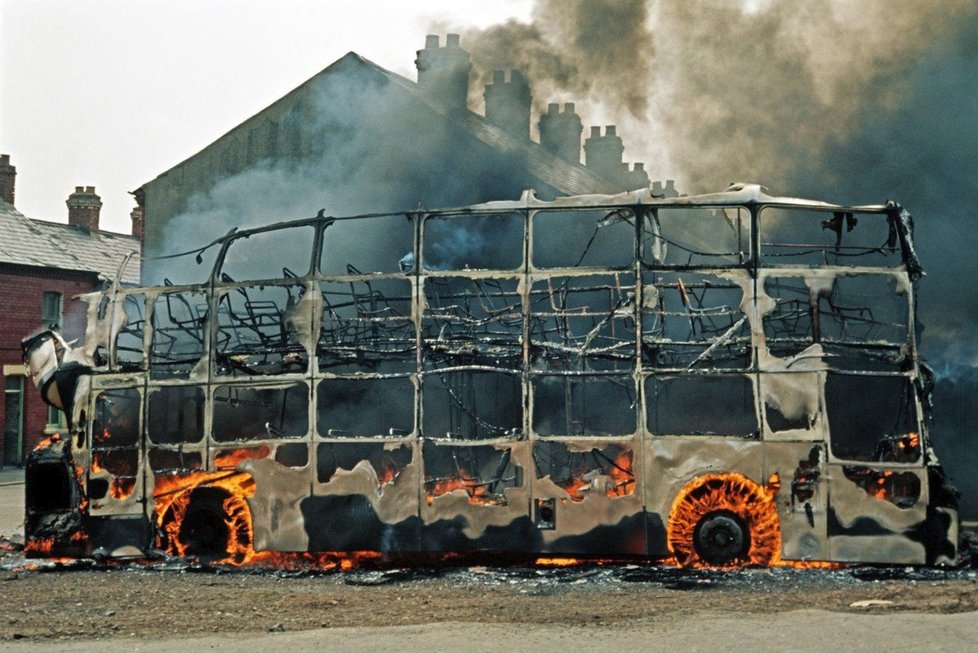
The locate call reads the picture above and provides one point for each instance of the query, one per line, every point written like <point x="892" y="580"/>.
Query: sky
<point x="111" y="93"/>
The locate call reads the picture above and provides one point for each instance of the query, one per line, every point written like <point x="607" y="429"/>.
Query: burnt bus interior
<point x="559" y="377"/>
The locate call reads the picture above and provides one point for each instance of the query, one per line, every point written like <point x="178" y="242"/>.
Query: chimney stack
<point x="602" y="154"/>
<point x="561" y="132"/>
<point x="8" y="177"/>
<point x="508" y="103"/>
<point x="136" y="215"/>
<point x="443" y="72"/>
<point x="83" y="208"/>
<point x="637" y="177"/>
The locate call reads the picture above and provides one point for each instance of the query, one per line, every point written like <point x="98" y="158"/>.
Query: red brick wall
<point x="21" y="289"/>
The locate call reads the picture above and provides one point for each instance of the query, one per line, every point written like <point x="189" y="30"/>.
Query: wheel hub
<point x="721" y="538"/>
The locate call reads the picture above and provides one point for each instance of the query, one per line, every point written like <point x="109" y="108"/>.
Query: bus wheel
<point x="726" y="521"/>
<point x="209" y="523"/>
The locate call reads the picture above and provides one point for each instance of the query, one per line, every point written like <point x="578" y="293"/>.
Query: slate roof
<point x="38" y="243"/>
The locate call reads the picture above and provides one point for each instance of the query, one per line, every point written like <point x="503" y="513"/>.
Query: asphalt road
<point x="800" y="630"/>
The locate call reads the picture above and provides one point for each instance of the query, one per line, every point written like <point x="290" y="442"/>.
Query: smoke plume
<point x="850" y="101"/>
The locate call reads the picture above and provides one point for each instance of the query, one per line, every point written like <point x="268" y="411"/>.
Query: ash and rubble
<point x="529" y="578"/>
<point x="114" y="599"/>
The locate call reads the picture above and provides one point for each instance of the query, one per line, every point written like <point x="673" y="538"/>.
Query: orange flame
<point x="574" y="486"/>
<point x="80" y="479"/>
<point x="880" y="486"/>
<point x="557" y="562"/>
<point x="174" y="496"/>
<point x="47" y="442"/>
<point x="41" y="546"/>
<point x="754" y="504"/>
<point x="386" y="473"/>
<point x="620" y="472"/>
<point x="908" y="447"/>
<point x="230" y="459"/>
<point x="122" y="487"/>
<point x="478" y="494"/>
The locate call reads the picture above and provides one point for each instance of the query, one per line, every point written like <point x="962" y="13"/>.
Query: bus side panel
<point x="476" y="497"/>
<point x="351" y="523"/>
<point x="802" y="498"/>
<point x="353" y="511"/>
<point x="599" y="512"/>
<point x="877" y="514"/>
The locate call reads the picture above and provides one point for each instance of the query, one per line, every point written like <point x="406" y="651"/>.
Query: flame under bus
<point x="723" y="379"/>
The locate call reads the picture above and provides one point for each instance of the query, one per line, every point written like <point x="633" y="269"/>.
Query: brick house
<point x="44" y="266"/>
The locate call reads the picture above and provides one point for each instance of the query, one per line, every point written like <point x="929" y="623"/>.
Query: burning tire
<point x="726" y="521"/>
<point x="209" y="523"/>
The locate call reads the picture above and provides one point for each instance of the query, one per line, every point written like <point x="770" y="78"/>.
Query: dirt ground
<point x="80" y="601"/>
<point x="139" y="606"/>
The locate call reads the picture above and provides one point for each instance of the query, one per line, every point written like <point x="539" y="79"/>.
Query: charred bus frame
<point x="725" y="379"/>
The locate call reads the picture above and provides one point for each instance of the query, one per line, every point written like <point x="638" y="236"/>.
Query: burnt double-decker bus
<point x="723" y="380"/>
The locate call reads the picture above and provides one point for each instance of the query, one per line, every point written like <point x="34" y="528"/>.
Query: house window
<point x="51" y="310"/>
<point x="13" y="421"/>
<point x="56" y="420"/>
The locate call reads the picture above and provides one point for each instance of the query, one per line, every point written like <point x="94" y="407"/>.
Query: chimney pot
<point x="670" y="184"/>
<point x="79" y="189"/>
<point x="568" y="107"/>
<point x="595" y="132"/>
<point x="431" y="41"/>
<point x="451" y="41"/>
<point x="610" y="130"/>
<point x="553" y="108"/>
<point x="638" y="167"/>
<point x="89" y="189"/>
<point x="4" y="159"/>
<point x="499" y="77"/>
